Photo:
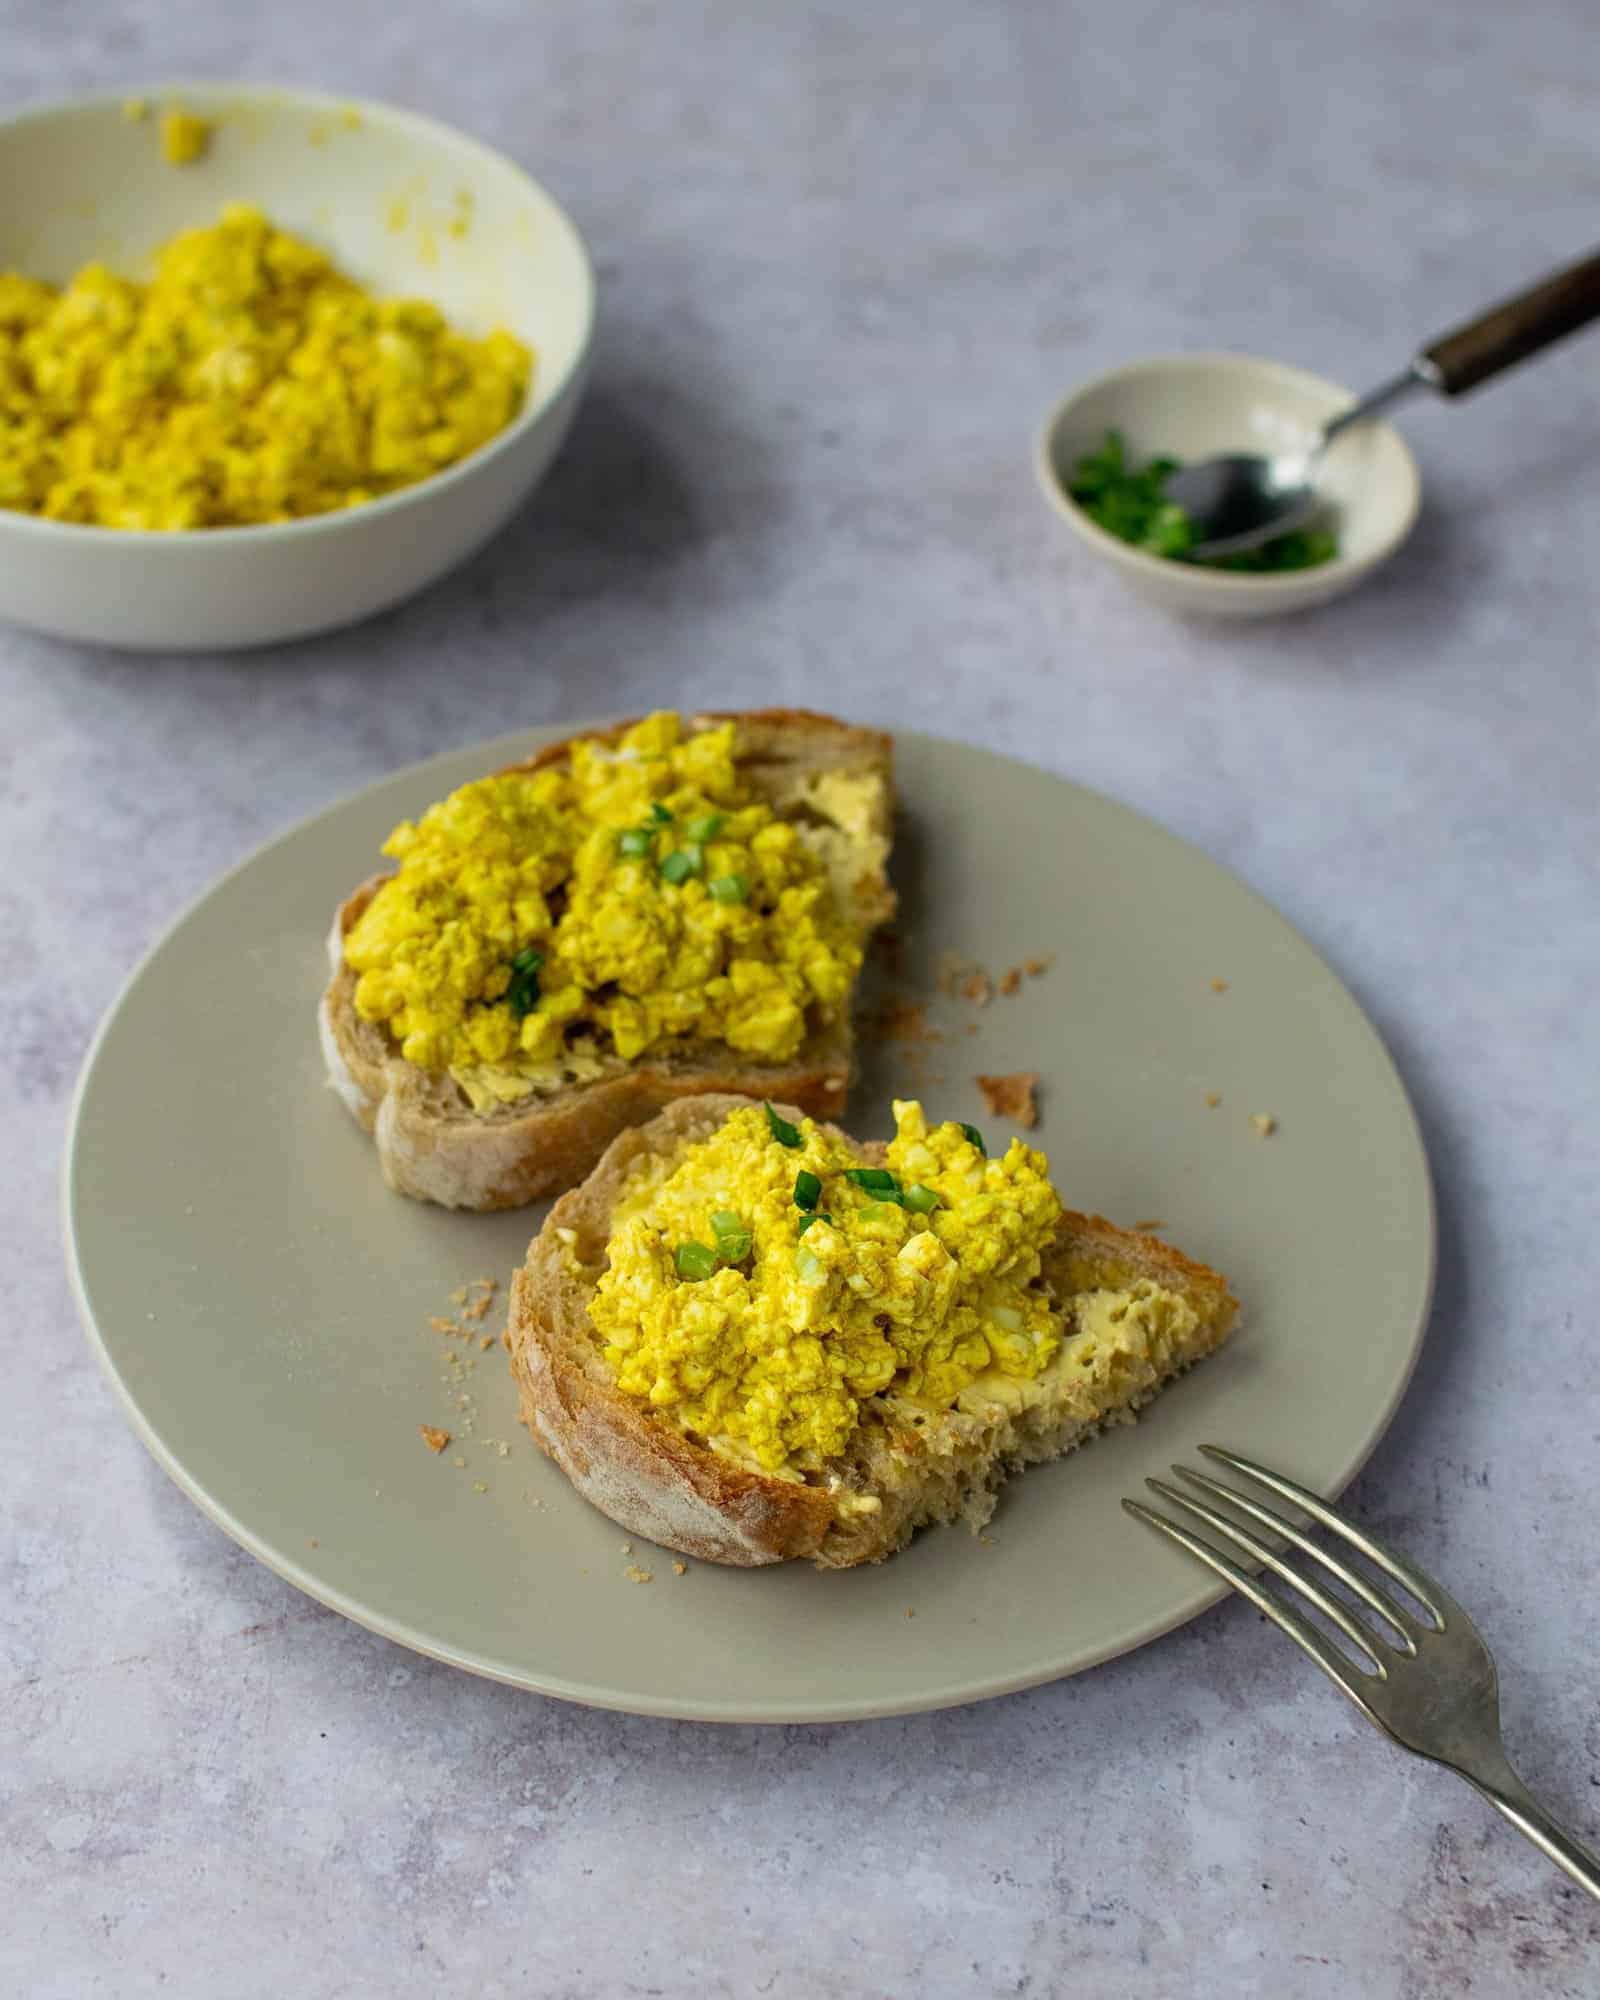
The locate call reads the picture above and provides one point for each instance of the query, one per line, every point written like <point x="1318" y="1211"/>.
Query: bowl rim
<point x="218" y="89"/>
<point x="1217" y="582"/>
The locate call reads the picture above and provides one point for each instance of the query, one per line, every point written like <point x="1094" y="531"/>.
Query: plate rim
<point x="507" y="748"/>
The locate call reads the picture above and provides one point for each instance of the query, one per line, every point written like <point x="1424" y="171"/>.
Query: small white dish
<point x="380" y="189"/>
<point x="1187" y="406"/>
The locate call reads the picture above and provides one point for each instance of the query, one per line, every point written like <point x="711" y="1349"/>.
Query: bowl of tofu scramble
<point x="269" y="361"/>
<point x="1104" y="452"/>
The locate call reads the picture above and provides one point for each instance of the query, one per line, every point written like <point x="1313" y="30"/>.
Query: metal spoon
<point x="1239" y="500"/>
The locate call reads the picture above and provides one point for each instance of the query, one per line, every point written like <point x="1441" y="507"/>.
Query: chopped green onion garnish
<point x="682" y="863"/>
<point x="785" y="1133"/>
<point x="1301" y="548"/>
<point x="695" y="1262"/>
<point x="523" y="991"/>
<point x="921" y="1199"/>
<point x="659" y="813"/>
<point x="975" y="1137"/>
<point x="883" y="1198"/>
<point x="636" y="842"/>
<point x="878" y="1182"/>
<point x="733" y="1238"/>
<point x="707" y="827"/>
<point x="1131" y="503"/>
<point x="807" y="1189"/>
<point x="729" y="888"/>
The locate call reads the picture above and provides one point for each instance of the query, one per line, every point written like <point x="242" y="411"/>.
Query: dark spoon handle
<point x="1514" y="329"/>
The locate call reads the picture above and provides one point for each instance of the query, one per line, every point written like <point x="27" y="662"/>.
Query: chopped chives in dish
<point x="1130" y="503"/>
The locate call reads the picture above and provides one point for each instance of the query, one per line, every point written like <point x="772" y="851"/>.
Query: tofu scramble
<point x="765" y="1282"/>
<point x="249" y="381"/>
<point x="184" y="138"/>
<point x="628" y="896"/>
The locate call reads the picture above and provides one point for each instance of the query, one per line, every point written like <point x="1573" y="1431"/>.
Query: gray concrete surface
<point x="849" y="254"/>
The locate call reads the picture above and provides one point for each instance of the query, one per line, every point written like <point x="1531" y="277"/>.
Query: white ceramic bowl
<point x="379" y="189"/>
<point x="1187" y="406"/>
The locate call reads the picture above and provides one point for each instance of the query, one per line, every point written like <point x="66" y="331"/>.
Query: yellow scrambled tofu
<point x="249" y="381"/>
<point x="629" y="897"/>
<point x="765" y="1282"/>
<point x="184" y="138"/>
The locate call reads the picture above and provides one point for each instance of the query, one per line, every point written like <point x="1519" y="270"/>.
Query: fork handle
<point x="1511" y="1798"/>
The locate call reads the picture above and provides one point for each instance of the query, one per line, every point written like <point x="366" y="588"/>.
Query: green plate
<point x="261" y="1302"/>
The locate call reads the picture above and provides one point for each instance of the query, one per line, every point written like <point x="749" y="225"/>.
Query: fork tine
<point x="1258" y="1551"/>
<point x="1301" y="1630"/>
<point x="1374" y="1599"/>
<point x="1422" y="1588"/>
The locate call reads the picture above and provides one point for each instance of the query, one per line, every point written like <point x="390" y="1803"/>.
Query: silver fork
<point x="1432" y="1687"/>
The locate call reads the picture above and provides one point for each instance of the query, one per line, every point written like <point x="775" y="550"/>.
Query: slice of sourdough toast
<point x="831" y="778"/>
<point x="908" y="1463"/>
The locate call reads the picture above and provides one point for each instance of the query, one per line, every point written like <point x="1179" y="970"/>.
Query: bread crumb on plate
<point x="900" y="1019"/>
<point x="1265" y="1124"/>
<point x="1213" y="1099"/>
<point x="434" y="1438"/>
<point x="951" y="970"/>
<point x="1012" y="1096"/>
<point x="1219" y="986"/>
<point x="636" y="1575"/>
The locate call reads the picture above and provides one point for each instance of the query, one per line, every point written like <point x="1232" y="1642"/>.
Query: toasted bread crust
<point x="433" y="1146"/>
<point x="654" y="1481"/>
